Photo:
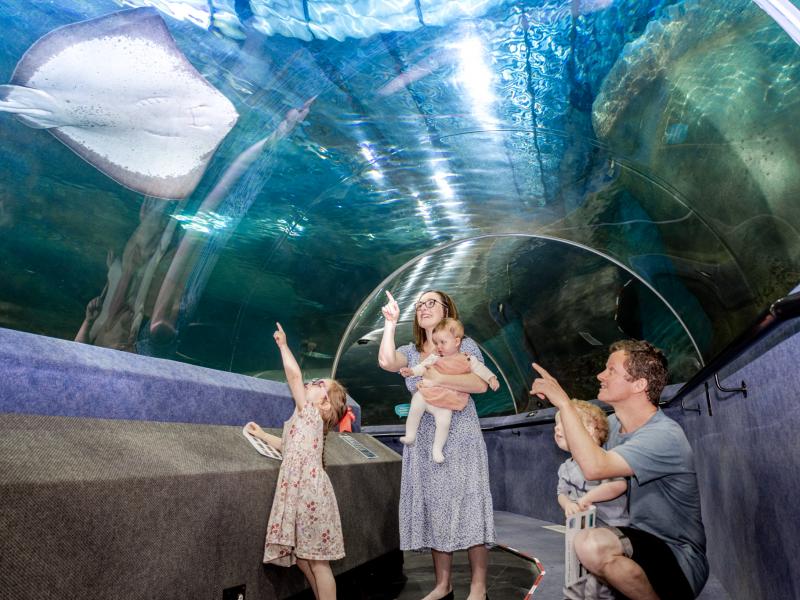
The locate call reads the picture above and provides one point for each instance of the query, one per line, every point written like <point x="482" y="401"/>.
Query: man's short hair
<point x="644" y="361"/>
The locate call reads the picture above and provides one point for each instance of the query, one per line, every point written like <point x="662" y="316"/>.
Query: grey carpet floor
<point x="545" y="541"/>
<point x="509" y="578"/>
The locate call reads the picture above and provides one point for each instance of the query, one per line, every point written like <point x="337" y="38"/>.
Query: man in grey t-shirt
<point x="662" y="553"/>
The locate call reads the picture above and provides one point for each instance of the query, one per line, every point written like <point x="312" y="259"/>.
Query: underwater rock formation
<point x="724" y="142"/>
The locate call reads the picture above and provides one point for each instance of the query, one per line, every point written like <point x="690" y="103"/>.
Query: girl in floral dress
<point x="304" y="525"/>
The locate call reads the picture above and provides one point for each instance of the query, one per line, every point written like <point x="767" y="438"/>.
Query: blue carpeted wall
<point x="46" y="376"/>
<point x="747" y="459"/>
<point x="748" y="466"/>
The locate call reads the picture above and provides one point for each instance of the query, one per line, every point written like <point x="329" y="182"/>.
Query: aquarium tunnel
<point x="178" y="176"/>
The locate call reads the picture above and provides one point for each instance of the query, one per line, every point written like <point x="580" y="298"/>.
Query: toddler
<point x="304" y="525"/>
<point x="575" y="494"/>
<point x="437" y="400"/>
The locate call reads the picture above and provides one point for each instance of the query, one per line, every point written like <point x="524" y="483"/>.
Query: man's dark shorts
<point x="657" y="561"/>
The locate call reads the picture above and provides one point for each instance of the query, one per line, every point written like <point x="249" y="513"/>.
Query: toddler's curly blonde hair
<point x="594" y="419"/>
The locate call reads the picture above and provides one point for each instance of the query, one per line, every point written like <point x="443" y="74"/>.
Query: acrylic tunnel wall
<point x="572" y="172"/>
<point x="525" y="298"/>
<point x="659" y="134"/>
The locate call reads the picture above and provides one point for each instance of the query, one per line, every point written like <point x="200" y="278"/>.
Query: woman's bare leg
<point x="479" y="564"/>
<point x="305" y="567"/>
<point x="326" y="584"/>
<point x="442" y="566"/>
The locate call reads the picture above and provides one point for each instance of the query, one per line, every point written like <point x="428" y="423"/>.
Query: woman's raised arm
<point x="389" y="358"/>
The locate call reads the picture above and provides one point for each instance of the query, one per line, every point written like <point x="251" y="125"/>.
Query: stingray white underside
<point x="131" y="105"/>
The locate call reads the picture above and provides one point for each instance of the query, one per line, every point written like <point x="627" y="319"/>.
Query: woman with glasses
<point x="443" y="506"/>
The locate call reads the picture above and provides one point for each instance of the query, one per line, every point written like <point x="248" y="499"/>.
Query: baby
<point x="575" y="494"/>
<point x="437" y="400"/>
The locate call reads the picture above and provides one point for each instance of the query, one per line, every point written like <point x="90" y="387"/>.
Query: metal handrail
<point x="782" y="310"/>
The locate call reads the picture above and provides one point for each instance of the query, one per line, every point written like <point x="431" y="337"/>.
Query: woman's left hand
<point x="391" y="310"/>
<point x="279" y="336"/>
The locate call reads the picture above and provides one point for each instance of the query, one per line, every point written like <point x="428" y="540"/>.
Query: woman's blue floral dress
<point x="446" y="506"/>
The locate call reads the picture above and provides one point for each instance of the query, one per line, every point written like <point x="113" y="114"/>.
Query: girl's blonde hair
<point x="337" y="395"/>
<point x="450" y="310"/>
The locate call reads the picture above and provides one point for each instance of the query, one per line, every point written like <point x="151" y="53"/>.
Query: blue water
<point x="656" y="140"/>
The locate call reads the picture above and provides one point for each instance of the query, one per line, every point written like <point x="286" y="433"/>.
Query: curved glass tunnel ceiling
<point x="642" y="153"/>
<point x="525" y="299"/>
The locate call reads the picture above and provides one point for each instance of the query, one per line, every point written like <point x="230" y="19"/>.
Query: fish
<point x="196" y="255"/>
<point x="416" y="72"/>
<point x="119" y="92"/>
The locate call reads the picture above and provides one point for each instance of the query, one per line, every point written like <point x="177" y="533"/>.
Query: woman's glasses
<point x="429" y="304"/>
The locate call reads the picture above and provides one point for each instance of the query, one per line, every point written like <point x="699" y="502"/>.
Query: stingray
<point x="119" y="92"/>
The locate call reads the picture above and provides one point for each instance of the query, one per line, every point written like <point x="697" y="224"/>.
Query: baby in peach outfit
<point x="437" y="400"/>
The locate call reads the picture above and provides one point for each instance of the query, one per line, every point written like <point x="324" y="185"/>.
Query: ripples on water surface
<point x="421" y="137"/>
